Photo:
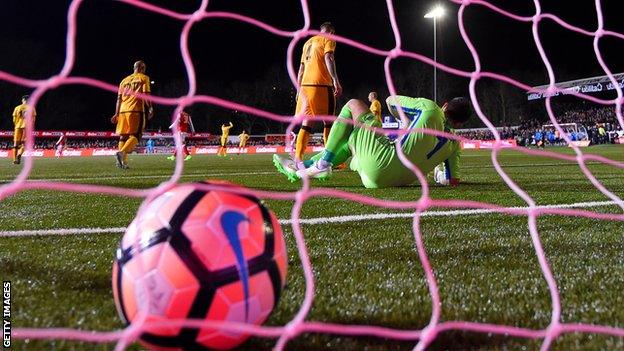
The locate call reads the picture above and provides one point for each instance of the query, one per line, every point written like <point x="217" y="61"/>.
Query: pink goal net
<point x="300" y="323"/>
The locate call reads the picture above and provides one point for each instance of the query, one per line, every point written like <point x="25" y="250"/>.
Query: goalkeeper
<point x="375" y="156"/>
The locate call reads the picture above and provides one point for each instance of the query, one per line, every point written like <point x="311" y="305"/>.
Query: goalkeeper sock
<point x="20" y="151"/>
<point x="15" y="152"/>
<point x="341" y="156"/>
<point x="326" y="130"/>
<point x="302" y="142"/>
<point x="338" y="135"/>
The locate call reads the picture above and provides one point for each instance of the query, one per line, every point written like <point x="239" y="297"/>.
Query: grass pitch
<point x="367" y="272"/>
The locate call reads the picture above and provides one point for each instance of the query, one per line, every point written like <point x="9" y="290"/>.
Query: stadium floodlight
<point x="435" y="13"/>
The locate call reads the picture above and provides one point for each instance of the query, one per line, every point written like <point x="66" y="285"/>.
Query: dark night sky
<point x="224" y="51"/>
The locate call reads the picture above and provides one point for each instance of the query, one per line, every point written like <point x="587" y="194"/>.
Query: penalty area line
<point x="311" y="221"/>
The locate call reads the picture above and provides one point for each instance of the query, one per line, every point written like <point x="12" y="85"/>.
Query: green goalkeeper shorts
<point x="375" y="157"/>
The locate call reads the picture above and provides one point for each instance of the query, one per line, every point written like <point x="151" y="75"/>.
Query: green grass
<point x="367" y="272"/>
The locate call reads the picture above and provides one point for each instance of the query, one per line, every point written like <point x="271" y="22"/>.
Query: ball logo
<point x="229" y="222"/>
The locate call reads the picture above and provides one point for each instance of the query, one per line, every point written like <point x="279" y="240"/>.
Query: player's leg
<point x="123" y="130"/>
<point x="338" y="137"/>
<point x="342" y="155"/>
<point x="187" y="154"/>
<point x="18" y="137"/>
<point x="331" y="110"/>
<point x="119" y="154"/>
<point x="303" y="138"/>
<point x="336" y="149"/>
<point x="173" y="154"/>
<point x="375" y="157"/>
<point x="22" y="145"/>
<point x="308" y="101"/>
<point x="222" y="150"/>
<point x="137" y="123"/>
<point x="129" y="146"/>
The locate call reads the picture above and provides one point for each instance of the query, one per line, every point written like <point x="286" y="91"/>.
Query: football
<point x="202" y="255"/>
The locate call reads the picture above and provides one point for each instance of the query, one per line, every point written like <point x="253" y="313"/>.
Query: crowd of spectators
<point x="505" y="133"/>
<point x="597" y="125"/>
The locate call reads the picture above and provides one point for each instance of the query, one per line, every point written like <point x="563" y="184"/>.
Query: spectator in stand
<point x="602" y="135"/>
<point x="149" y="146"/>
<point x="537" y="138"/>
<point x="550" y="137"/>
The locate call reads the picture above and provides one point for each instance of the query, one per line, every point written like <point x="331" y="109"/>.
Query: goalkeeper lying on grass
<point x="375" y="156"/>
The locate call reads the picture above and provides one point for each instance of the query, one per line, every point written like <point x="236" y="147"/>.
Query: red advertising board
<point x="208" y="150"/>
<point x="96" y="134"/>
<point x="212" y="150"/>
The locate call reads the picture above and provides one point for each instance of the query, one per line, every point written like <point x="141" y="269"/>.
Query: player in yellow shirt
<point x="19" y="133"/>
<point x="225" y="133"/>
<point x="242" y="139"/>
<point x="375" y="106"/>
<point x="318" y="86"/>
<point x="131" y="112"/>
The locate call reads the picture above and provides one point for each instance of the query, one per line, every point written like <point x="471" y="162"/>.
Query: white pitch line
<point x="377" y="216"/>
<point x="65" y="231"/>
<point x="122" y="177"/>
<point x="189" y="175"/>
<point x="319" y="220"/>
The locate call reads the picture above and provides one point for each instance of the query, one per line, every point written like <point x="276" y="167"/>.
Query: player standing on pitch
<point x="60" y="145"/>
<point x="19" y="121"/>
<point x="185" y="125"/>
<point x="318" y="87"/>
<point x="375" y="105"/>
<point x="225" y="133"/>
<point x="242" y="140"/>
<point x="131" y="112"/>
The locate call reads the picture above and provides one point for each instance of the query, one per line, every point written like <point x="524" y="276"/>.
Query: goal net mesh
<point x="300" y="323"/>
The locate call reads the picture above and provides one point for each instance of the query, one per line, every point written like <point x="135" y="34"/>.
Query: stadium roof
<point x="585" y="85"/>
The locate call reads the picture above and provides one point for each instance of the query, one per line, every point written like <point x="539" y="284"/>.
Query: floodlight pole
<point x="435" y="13"/>
<point x="435" y="60"/>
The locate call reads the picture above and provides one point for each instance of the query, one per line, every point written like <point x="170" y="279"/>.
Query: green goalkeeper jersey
<point x="376" y="158"/>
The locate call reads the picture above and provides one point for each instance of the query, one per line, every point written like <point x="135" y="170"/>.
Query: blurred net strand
<point x="298" y="325"/>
